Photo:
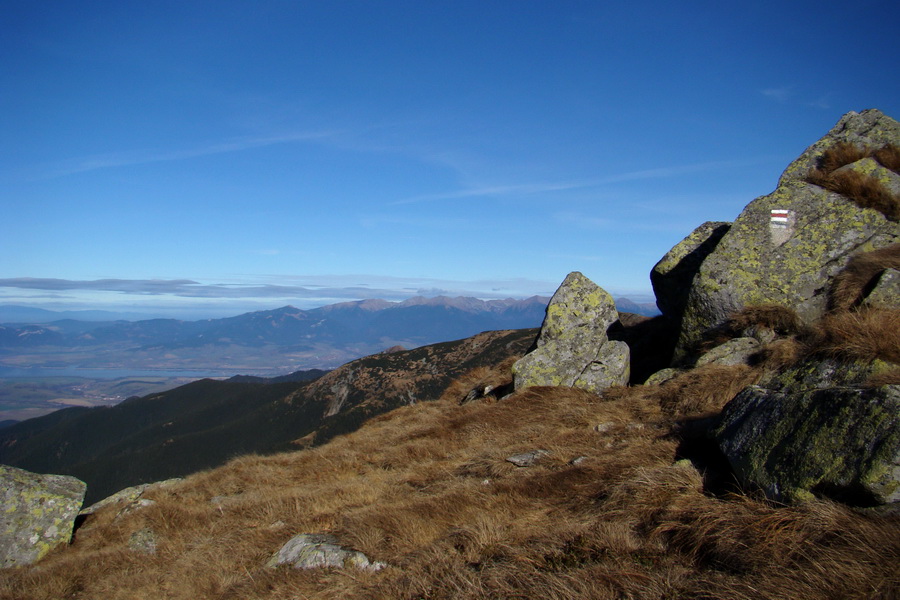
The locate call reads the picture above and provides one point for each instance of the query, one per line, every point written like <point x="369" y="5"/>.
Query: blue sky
<point x="211" y="157"/>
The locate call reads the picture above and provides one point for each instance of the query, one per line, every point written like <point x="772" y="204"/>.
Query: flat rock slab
<point x="527" y="459"/>
<point x="129" y="495"/>
<point x="37" y="513"/>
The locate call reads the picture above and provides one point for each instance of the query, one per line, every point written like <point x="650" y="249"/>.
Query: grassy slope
<point x="206" y="423"/>
<point x="427" y="489"/>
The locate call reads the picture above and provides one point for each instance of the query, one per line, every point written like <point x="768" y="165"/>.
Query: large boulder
<point x="785" y="248"/>
<point x="573" y="348"/>
<point x="37" y="513"/>
<point x="839" y="442"/>
<point x="673" y="275"/>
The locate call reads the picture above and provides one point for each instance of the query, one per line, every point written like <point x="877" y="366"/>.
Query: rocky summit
<point x="785" y="247"/>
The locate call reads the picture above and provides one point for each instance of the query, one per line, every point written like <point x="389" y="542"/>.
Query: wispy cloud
<point x="537" y="188"/>
<point x="780" y="94"/>
<point x="498" y="190"/>
<point x="140" y="157"/>
<point x="822" y="102"/>
<point x="787" y="94"/>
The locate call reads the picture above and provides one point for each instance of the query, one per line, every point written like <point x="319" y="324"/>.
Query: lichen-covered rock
<point x="785" y="248"/>
<point x="822" y="373"/>
<point x="663" y="375"/>
<point x="130" y="496"/>
<point x="143" y="541"/>
<point x="318" y="550"/>
<point x="37" y="513"/>
<point x="887" y="290"/>
<point x="672" y="276"/>
<point x="733" y="352"/>
<point x="839" y="442"/>
<point x="870" y="128"/>
<point x="573" y="348"/>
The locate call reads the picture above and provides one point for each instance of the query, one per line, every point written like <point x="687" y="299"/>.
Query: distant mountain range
<point x="264" y="342"/>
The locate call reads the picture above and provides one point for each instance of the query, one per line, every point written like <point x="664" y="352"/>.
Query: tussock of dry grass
<point x="861" y="273"/>
<point x="889" y="377"/>
<point x="841" y="154"/>
<point x="780" y="319"/>
<point x="751" y="321"/>
<point x="480" y="379"/>
<point x="889" y="157"/>
<point x="864" y="190"/>
<point x="845" y="153"/>
<point x="865" y="334"/>
<point x="705" y="390"/>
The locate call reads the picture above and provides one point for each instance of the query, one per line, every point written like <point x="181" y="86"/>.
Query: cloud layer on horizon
<point x="302" y="288"/>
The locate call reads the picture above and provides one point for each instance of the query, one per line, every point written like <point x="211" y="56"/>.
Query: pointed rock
<point x="573" y="348"/>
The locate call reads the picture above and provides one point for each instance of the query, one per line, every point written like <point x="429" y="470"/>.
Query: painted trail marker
<point x="781" y="225"/>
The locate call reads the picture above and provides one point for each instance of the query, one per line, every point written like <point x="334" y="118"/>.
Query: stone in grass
<point x="318" y="550"/>
<point x="527" y="459"/>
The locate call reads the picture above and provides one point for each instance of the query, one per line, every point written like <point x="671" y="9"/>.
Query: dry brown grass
<point x="427" y="490"/>
<point x="703" y="391"/>
<point x="864" y="190"/>
<point x="780" y="319"/>
<point x="841" y="154"/>
<point x="856" y="279"/>
<point x="889" y="157"/>
<point x="889" y="377"/>
<point x="753" y="321"/>
<point x="866" y="334"/>
<point x="479" y="379"/>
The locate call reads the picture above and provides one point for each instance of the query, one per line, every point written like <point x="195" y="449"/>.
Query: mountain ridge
<point x="268" y="342"/>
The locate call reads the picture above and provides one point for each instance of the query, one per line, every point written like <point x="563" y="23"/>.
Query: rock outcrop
<point x="37" y="513"/>
<point x="673" y="275"/>
<point x="784" y="248"/>
<point x="573" y="348"/>
<point x="130" y="498"/>
<point x="839" y="442"/>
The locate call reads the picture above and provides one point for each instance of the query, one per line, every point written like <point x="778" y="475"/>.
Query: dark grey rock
<point x="672" y="276"/>
<point x="527" y="459"/>
<point x="839" y="442"/>
<point x="732" y="352"/>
